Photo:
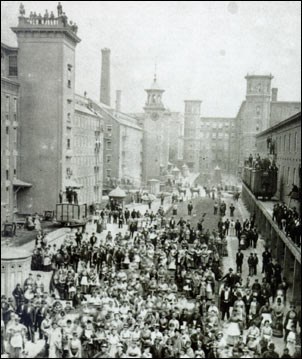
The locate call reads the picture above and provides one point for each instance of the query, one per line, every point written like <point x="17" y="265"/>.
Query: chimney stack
<point x="118" y="101"/>
<point x="274" y="94"/>
<point x="105" y="77"/>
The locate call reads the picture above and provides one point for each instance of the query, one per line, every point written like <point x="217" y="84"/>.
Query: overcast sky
<point x="203" y="50"/>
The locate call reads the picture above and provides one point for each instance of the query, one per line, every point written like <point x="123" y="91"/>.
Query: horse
<point x="182" y="190"/>
<point x="195" y="190"/>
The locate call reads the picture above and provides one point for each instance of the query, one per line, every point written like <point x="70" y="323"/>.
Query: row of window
<point x="218" y="125"/>
<point x="215" y="135"/>
<point x="84" y="141"/>
<point x="290" y="175"/>
<point x="88" y="123"/>
<point x="84" y="161"/>
<point x="290" y="143"/>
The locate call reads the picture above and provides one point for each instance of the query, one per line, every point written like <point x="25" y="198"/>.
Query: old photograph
<point x="151" y="179"/>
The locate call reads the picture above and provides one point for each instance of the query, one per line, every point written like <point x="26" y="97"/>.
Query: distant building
<point x="217" y="146"/>
<point x="156" y="129"/>
<point x="259" y="111"/>
<point x="60" y="137"/>
<point x="176" y="136"/>
<point x="85" y="147"/>
<point x="46" y="63"/>
<point x="192" y="134"/>
<point x="10" y="113"/>
<point x="123" y="146"/>
<point x="282" y="142"/>
<point x="208" y="142"/>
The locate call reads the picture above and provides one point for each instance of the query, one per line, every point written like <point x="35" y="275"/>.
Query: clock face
<point x="154" y="116"/>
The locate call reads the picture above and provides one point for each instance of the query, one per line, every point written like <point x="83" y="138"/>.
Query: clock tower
<point x="156" y="143"/>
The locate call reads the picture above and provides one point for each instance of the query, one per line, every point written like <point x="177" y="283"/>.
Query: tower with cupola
<point x="156" y="141"/>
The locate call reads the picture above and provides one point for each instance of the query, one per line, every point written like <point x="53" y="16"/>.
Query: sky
<point x="202" y="50"/>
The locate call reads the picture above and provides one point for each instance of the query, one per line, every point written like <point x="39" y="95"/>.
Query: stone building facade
<point x="217" y="145"/>
<point x="192" y="134"/>
<point x="47" y="82"/>
<point x="11" y="184"/>
<point x="176" y="137"/>
<point x="208" y="142"/>
<point x="260" y="110"/>
<point x="9" y="128"/>
<point x="155" y="125"/>
<point x="123" y="148"/>
<point x="282" y="142"/>
<point x="84" y="148"/>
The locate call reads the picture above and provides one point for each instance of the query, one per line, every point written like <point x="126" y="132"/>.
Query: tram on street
<point x="261" y="182"/>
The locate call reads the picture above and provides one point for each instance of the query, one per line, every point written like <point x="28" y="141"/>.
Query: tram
<point x="71" y="215"/>
<point x="261" y="182"/>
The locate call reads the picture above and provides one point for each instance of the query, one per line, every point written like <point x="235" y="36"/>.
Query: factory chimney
<point x="274" y="94"/>
<point x="118" y="101"/>
<point x="105" y="77"/>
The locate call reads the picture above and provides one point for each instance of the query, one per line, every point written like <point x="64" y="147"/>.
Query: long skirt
<point x="233" y="333"/>
<point x="99" y="228"/>
<point x="277" y="326"/>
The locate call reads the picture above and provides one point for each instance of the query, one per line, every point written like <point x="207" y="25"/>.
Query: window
<point x="214" y="135"/>
<point x="284" y="143"/>
<point x="108" y="172"/>
<point x="108" y="159"/>
<point x="12" y="66"/>
<point x="68" y="143"/>
<point x="108" y="145"/>
<point x="7" y="103"/>
<point x="289" y="140"/>
<point x="7" y="130"/>
<point x="69" y="76"/>
<point x="296" y="142"/>
<point x="15" y="105"/>
<point x="7" y="174"/>
<point x="109" y="130"/>
<point x="288" y="176"/>
<point x="294" y="175"/>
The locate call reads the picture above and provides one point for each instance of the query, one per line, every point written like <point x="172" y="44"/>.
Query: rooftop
<point x="48" y="21"/>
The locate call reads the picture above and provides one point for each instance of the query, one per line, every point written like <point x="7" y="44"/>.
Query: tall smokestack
<point x="274" y="94"/>
<point x="105" y="77"/>
<point x="118" y="100"/>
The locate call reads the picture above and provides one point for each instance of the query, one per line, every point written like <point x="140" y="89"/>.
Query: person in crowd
<point x="152" y="293"/>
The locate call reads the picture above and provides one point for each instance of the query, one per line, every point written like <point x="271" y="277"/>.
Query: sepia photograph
<point x="151" y="179"/>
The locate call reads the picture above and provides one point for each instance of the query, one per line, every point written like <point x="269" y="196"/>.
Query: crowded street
<point x="158" y="293"/>
<point x="151" y="179"/>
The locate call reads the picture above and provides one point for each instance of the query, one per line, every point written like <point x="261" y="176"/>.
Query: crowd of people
<point x="158" y="293"/>
<point x="289" y="221"/>
<point x="259" y="163"/>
